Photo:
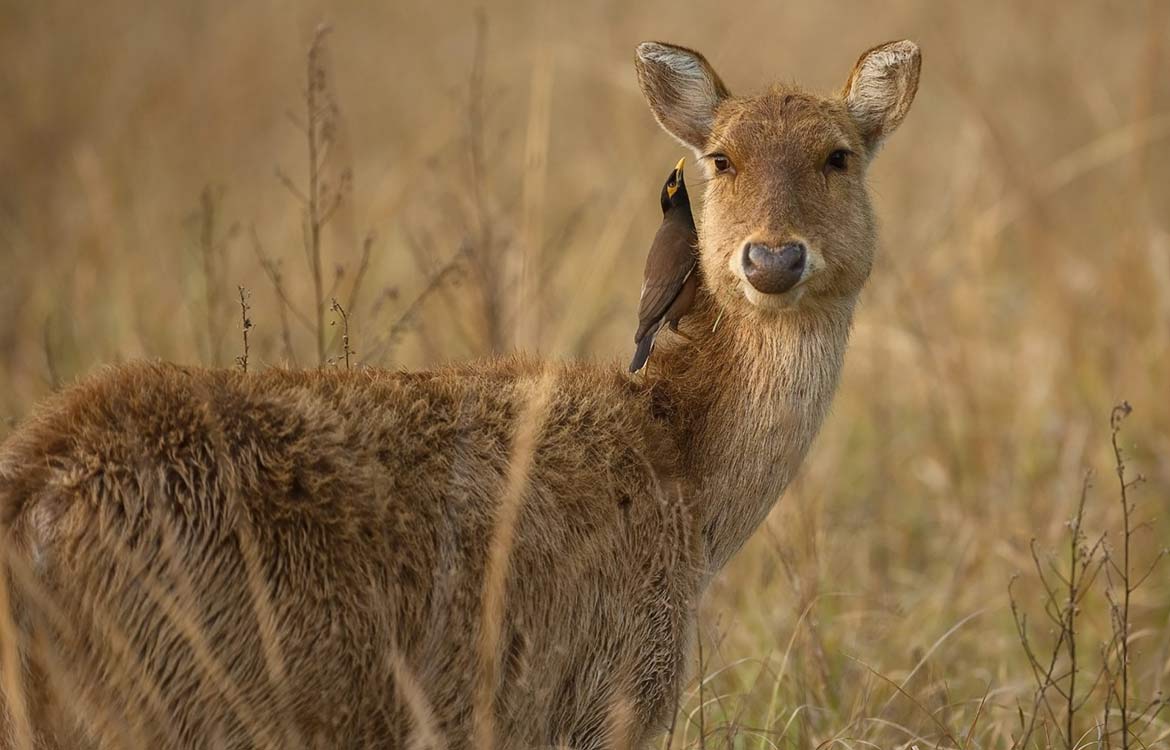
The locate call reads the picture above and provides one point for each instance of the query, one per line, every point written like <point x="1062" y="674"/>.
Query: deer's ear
<point x="882" y="87"/>
<point x="682" y="90"/>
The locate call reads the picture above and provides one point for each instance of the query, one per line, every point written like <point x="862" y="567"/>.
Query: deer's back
<point x="288" y="555"/>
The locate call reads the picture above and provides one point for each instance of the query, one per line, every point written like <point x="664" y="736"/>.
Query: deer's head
<point x="786" y="219"/>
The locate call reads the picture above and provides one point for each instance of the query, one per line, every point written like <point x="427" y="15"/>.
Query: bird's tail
<point x="642" y="353"/>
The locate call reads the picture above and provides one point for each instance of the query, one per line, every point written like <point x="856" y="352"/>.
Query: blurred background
<point x="487" y="179"/>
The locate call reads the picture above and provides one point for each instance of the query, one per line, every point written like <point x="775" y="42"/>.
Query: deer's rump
<point x="298" y="558"/>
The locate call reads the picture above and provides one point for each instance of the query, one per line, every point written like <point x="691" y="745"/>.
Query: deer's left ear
<point x="881" y="88"/>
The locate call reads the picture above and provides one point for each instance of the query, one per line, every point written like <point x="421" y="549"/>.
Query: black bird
<point x="669" y="282"/>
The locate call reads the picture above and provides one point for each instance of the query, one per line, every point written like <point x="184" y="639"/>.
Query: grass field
<point x="496" y="176"/>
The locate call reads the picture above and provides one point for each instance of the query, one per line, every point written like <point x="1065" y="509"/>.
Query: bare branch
<point x="291" y="186"/>
<point x="318" y="135"/>
<point x="1121" y="613"/>
<point x="383" y="346"/>
<point x="359" y="278"/>
<point x="245" y="326"/>
<point x="271" y="267"/>
<point x="344" y="330"/>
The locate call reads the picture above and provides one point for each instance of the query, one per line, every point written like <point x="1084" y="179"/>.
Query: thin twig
<point x="1120" y="412"/>
<point x="245" y="326"/>
<point x="291" y="186"/>
<point x="272" y="270"/>
<point x="358" y="279"/>
<point x="383" y="346"/>
<point x="315" y="136"/>
<point x="946" y="732"/>
<point x="335" y="307"/>
<point x="212" y="256"/>
<point x="1042" y="675"/>
<point x="1075" y="564"/>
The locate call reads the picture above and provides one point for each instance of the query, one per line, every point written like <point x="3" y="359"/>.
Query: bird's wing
<point x="659" y="289"/>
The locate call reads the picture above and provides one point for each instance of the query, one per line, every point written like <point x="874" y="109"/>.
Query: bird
<point x="669" y="281"/>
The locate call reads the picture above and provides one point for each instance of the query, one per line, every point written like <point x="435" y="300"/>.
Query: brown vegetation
<point x="1022" y="289"/>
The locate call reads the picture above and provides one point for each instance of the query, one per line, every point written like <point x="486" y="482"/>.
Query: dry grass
<point x="486" y="181"/>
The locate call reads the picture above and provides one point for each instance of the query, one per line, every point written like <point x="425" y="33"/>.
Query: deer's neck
<point x="746" y="400"/>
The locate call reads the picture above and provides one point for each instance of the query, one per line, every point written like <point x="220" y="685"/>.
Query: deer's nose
<point x="773" y="270"/>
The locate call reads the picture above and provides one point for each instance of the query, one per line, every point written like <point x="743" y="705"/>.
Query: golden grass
<point x="495" y="580"/>
<point x="1023" y="290"/>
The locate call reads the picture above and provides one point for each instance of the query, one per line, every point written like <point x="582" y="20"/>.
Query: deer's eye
<point x="722" y="164"/>
<point x="838" y="160"/>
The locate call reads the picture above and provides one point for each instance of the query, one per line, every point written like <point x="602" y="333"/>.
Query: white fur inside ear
<point x="882" y="88"/>
<point x="681" y="89"/>
<point x="681" y="62"/>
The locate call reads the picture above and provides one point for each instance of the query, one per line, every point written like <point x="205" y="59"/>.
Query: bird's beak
<point x="677" y="179"/>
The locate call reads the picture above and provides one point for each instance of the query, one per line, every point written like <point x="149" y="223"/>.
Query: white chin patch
<point x="785" y="301"/>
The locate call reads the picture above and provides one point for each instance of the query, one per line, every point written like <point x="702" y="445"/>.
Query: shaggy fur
<point x="204" y="557"/>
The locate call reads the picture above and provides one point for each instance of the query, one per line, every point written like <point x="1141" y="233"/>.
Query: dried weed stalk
<point x="384" y="346"/>
<point x="245" y="326"/>
<point x="1064" y="591"/>
<point x="321" y="199"/>
<point x="335" y="307"/>
<point x="272" y="269"/>
<point x="1122" y="581"/>
<point x="1061" y="695"/>
<point x="212" y="249"/>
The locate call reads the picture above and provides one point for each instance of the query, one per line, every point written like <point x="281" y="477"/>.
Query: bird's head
<point x="674" y="190"/>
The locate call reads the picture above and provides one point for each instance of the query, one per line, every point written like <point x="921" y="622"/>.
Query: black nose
<point x="774" y="270"/>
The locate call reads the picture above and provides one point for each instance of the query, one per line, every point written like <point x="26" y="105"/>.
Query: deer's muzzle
<point x="774" y="270"/>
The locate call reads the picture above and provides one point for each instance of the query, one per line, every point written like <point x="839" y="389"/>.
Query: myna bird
<point x="668" y="286"/>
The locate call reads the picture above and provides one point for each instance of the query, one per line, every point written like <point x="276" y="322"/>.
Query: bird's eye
<point x="838" y="160"/>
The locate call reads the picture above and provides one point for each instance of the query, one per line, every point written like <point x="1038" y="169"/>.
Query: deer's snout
<point x="774" y="270"/>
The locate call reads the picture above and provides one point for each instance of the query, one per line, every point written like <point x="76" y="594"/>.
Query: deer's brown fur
<point x="283" y="558"/>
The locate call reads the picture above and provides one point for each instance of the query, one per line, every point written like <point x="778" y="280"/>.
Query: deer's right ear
<point x="682" y="90"/>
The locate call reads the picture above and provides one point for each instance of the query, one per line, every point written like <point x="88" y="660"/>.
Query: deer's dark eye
<point x="838" y="160"/>
<point x="722" y="164"/>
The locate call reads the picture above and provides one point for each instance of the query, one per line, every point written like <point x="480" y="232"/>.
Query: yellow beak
<point x="677" y="179"/>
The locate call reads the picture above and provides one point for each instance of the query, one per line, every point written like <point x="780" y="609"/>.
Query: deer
<point x="495" y="554"/>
